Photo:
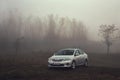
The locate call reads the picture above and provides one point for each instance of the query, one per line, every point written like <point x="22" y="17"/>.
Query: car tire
<point x="73" y="65"/>
<point x="86" y="63"/>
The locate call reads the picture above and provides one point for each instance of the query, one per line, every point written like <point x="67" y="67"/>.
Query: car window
<point x="65" y="52"/>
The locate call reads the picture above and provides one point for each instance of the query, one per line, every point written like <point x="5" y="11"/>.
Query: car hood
<point x="62" y="57"/>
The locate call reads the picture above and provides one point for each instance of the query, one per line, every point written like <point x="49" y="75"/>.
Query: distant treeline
<point x="20" y="34"/>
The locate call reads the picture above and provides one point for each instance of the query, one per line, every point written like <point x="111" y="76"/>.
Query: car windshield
<point x="65" y="52"/>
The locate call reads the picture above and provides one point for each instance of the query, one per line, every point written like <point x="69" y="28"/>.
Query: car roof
<point x="70" y="49"/>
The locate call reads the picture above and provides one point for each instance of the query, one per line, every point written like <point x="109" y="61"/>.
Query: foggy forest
<point x="19" y="34"/>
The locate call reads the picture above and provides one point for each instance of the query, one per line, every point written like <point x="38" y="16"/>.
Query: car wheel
<point x="73" y="66"/>
<point x="86" y="63"/>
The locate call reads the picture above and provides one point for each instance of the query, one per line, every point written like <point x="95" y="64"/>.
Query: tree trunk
<point x="108" y="49"/>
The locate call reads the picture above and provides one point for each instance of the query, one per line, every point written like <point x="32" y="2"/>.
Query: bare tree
<point x="108" y="33"/>
<point x="17" y="44"/>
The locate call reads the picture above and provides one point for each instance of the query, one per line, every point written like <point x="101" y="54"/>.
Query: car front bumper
<point x="60" y="64"/>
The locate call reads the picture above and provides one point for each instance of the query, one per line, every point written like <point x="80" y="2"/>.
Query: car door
<point x="81" y="57"/>
<point x="76" y="57"/>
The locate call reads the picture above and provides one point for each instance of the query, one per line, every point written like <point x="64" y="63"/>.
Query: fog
<point x="33" y="25"/>
<point x="92" y="12"/>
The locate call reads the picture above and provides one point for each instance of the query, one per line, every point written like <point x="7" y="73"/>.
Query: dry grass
<point x="33" y="66"/>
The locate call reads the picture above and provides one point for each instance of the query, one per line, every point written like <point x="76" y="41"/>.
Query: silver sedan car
<point x="70" y="57"/>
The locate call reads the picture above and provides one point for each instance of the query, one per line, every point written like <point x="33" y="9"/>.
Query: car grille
<point x="57" y="60"/>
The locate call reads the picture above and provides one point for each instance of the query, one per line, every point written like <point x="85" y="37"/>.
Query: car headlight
<point x="49" y="59"/>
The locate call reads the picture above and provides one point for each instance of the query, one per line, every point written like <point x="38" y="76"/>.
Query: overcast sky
<point x="91" y="12"/>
